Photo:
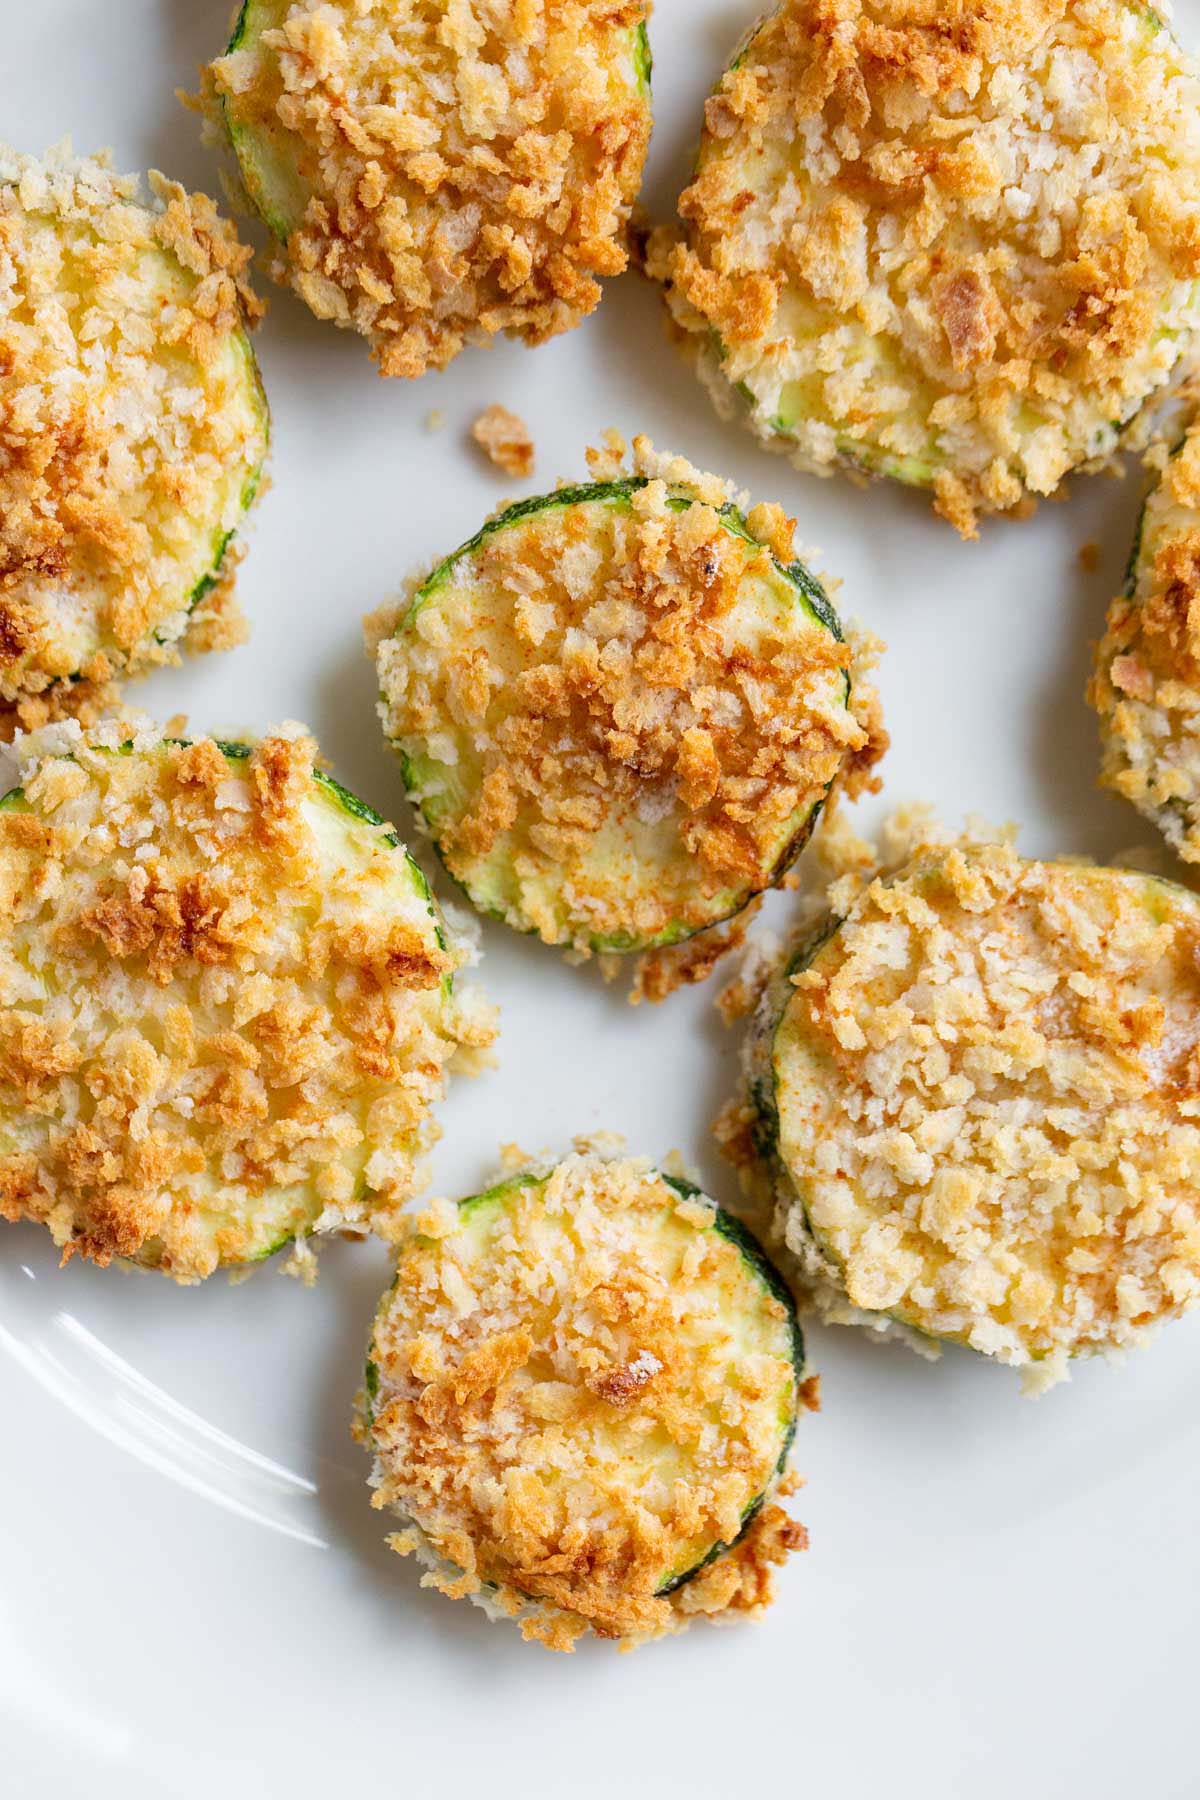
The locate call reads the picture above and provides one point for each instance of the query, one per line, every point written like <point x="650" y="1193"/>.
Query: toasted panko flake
<point x="959" y="246"/>
<point x="1146" y="683"/>
<point x="457" y="170"/>
<point x="574" y="1396"/>
<point x="617" y="714"/>
<point x="505" y="440"/>
<point x="978" y="1102"/>
<point x="224" y="1001"/>
<point x="132" y="427"/>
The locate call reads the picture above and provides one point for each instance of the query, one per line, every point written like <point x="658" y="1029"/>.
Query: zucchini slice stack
<point x="620" y="708"/>
<point x="434" y="175"/>
<point x="978" y="1097"/>
<point x="581" y="1392"/>
<point x="1146" y="684"/>
<point x="224" y="1001"/>
<point x="134" y="422"/>
<point x="904" y="253"/>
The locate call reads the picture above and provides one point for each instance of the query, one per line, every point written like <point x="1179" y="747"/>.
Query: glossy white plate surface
<point x="195" y="1599"/>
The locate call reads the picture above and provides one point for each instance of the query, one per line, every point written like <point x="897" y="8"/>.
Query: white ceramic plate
<point x="195" y="1598"/>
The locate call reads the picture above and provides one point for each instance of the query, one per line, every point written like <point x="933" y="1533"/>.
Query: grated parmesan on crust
<point x="132" y="426"/>
<point x="225" y="1012"/>
<point x="1146" y="682"/>
<point x="974" y="1105"/>
<point x="577" y="1387"/>
<point x="960" y="247"/>
<point x="615" y="707"/>
<point x="464" y="170"/>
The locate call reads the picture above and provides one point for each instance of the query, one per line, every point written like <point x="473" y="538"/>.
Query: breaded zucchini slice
<point x="435" y="175"/>
<point x="133" y="420"/>
<point x="620" y="707"/>
<point x="962" y="256"/>
<point x="581" y="1392"/>
<point x="1146" y="683"/>
<point x="224" y="1001"/>
<point x="982" y="1103"/>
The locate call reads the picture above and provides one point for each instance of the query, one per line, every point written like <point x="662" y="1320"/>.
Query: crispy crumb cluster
<point x="132" y="424"/>
<point x="958" y="248"/>
<point x="452" y="171"/>
<point x="619" y="712"/>
<point x="1146" y="683"/>
<point x="986" y="1101"/>
<point x="505" y="440"/>
<point x="578" y="1386"/>
<point x="224" y="1001"/>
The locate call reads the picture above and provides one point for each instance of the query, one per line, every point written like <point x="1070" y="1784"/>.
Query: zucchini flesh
<point x="636" y="882"/>
<point x="605" y="1409"/>
<point x="995" y="1206"/>
<point x="229" y="1195"/>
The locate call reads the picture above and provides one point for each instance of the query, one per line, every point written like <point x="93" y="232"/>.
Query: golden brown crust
<point x="214" y="1032"/>
<point x="477" y="163"/>
<point x="125" y="420"/>
<point x="519" y="1398"/>
<point x="1146" y="682"/>
<point x="981" y="250"/>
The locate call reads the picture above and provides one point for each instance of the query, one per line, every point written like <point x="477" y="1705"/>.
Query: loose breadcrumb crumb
<point x="559" y="1421"/>
<point x="505" y="440"/>
<point x="467" y="169"/>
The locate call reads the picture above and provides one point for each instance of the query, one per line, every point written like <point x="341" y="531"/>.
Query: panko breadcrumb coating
<point x="225" y="1007"/>
<point x="436" y="175"/>
<point x="620" y="707"/>
<point x="581" y="1391"/>
<point x="977" y="1090"/>
<point x="505" y="440"/>
<point x="957" y="244"/>
<point x="133" y="426"/>
<point x="1146" y="684"/>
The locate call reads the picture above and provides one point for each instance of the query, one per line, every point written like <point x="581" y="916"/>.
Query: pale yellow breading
<point x="626" y="707"/>
<point x="468" y="168"/>
<point x="979" y="1097"/>
<point x="225" y="1010"/>
<point x="1146" y="683"/>
<point x="955" y="244"/>
<point x="577" y="1387"/>
<point x="132" y="424"/>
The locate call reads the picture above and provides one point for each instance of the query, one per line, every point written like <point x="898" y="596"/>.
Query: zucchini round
<point x="581" y="1390"/>
<point x="1146" y="682"/>
<point x="981" y="1103"/>
<point x="619" y="709"/>
<point x="224" y="1001"/>
<point x="904" y="252"/>
<point x="134" y="421"/>
<point x="433" y="177"/>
